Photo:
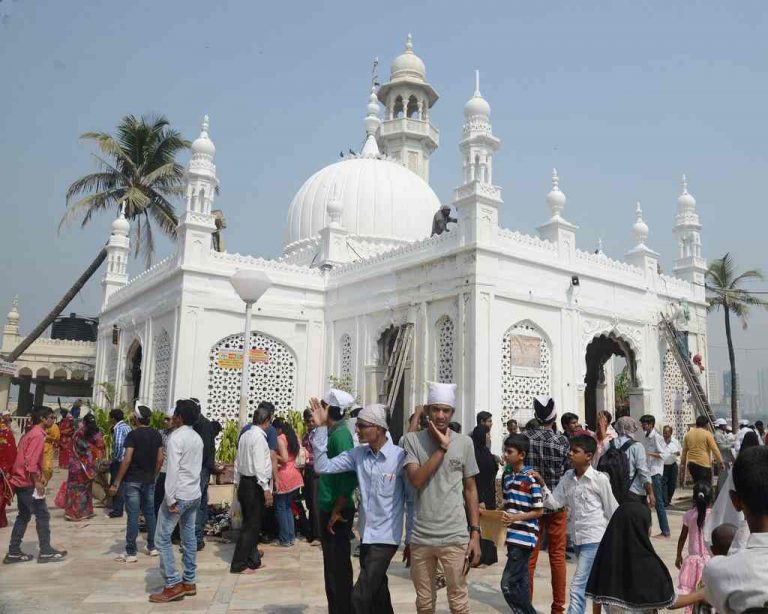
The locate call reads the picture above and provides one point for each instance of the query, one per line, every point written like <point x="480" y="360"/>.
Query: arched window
<point x="272" y="375"/>
<point x="399" y="109"/>
<point x="413" y="107"/>
<point x="526" y="370"/>
<point x="444" y="334"/>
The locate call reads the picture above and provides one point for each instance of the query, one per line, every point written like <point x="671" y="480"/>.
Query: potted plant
<point x="226" y="452"/>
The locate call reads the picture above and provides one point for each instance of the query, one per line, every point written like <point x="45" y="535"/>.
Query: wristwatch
<point x="474" y="528"/>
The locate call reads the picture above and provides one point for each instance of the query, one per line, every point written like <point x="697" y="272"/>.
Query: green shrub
<point x="227" y="450"/>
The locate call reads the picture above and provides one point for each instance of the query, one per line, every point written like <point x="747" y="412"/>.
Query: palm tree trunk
<point x="60" y="306"/>
<point x="732" y="360"/>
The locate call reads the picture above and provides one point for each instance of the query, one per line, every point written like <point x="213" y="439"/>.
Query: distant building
<point x="762" y="388"/>
<point x="727" y="385"/>
<point x="715" y="381"/>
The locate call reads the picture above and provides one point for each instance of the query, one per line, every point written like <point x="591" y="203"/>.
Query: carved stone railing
<point x="263" y="263"/>
<point x="609" y="264"/>
<point x="674" y="285"/>
<point x="407" y="124"/>
<point x="144" y="279"/>
<point x="528" y="241"/>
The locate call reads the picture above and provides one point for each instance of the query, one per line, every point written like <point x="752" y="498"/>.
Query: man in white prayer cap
<point x="441" y="466"/>
<point x="335" y="502"/>
<point x="378" y="464"/>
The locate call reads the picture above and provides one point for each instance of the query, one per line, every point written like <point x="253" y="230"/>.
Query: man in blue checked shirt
<point x="383" y="498"/>
<point x="120" y="431"/>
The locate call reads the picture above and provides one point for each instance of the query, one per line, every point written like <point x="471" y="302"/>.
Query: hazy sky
<point x="622" y="97"/>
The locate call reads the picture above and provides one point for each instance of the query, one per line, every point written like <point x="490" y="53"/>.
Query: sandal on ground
<point x="21" y="557"/>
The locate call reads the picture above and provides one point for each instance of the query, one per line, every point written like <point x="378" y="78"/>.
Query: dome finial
<point x="204" y="126"/>
<point x="685" y="184"/>
<point x="640" y="228"/>
<point x="555" y="180"/>
<point x="409" y="43"/>
<point x="556" y="198"/>
<point x="372" y="123"/>
<point x="477" y="83"/>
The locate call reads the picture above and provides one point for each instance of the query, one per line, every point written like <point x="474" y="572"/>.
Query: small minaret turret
<point x="641" y="255"/>
<point x="407" y="133"/>
<point x="477" y="199"/>
<point x="561" y="232"/>
<point x="689" y="264"/>
<point x="197" y="225"/>
<point x="118" y="247"/>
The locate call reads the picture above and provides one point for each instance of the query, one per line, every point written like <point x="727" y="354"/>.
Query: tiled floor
<point x="90" y="581"/>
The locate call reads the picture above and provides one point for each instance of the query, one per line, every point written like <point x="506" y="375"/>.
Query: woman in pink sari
<point x="87" y="449"/>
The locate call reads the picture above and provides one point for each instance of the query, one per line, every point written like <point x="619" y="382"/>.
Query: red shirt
<point x="29" y="458"/>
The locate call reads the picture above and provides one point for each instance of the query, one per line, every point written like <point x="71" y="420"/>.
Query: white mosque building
<point x="504" y="314"/>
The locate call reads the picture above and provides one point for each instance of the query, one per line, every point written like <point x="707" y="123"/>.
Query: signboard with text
<point x="234" y="359"/>
<point x="525" y="354"/>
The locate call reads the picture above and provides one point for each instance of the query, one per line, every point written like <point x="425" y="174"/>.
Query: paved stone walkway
<point x="90" y="581"/>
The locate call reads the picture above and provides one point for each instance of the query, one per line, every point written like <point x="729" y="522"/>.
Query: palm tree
<point x="137" y="167"/>
<point x="723" y="285"/>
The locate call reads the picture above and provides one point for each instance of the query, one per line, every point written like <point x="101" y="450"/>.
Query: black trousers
<point x="251" y="498"/>
<point x="118" y="501"/>
<point x="337" y="562"/>
<point x="670" y="482"/>
<point x="159" y="493"/>
<point x="371" y="592"/>
<point x="311" y="481"/>
<point x="699" y="473"/>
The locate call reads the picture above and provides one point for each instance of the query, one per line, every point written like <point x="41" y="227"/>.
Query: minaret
<point x="641" y="255"/>
<point x="116" y="275"/>
<point x="197" y="224"/>
<point x="561" y="232"/>
<point x="689" y="264"/>
<point x="477" y="200"/>
<point x="407" y="133"/>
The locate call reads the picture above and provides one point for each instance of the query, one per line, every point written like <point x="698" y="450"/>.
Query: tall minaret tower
<point x="477" y="200"/>
<point x="689" y="264"/>
<point x="116" y="275"/>
<point x="197" y="225"/>
<point x="407" y="133"/>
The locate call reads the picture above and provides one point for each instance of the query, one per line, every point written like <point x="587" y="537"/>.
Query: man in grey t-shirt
<point x="441" y="467"/>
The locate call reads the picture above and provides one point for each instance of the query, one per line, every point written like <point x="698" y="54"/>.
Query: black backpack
<point x="615" y="464"/>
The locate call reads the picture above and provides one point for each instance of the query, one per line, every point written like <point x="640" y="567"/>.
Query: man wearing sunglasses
<point x="378" y="464"/>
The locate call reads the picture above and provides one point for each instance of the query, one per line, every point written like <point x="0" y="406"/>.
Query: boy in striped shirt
<point x="523" y="507"/>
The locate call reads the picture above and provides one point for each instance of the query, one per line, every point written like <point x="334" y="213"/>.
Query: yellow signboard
<point x="234" y="359"/>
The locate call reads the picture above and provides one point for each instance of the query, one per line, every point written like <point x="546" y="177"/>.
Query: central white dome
<point x="379" y="199"/>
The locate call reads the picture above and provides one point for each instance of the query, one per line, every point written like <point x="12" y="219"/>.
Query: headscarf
<point x="627" y="572"/>
<point x="478" y="436"/>
<point x="626" y="426"/>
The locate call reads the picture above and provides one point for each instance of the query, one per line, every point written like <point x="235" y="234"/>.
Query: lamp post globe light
<point x="250" y="287"/>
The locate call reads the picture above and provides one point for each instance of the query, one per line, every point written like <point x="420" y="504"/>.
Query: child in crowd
<point x="587" y="494"/>
<point x="522" y="509"/>
<point x="692" y="566"/>
<point x="627" y="573"/>
<point x="740" y="581"/>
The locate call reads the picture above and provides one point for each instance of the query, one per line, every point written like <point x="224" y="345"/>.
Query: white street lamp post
<point x="250" y="287"/>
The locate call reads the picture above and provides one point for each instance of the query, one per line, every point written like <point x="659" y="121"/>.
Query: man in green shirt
<point x="337" y="508"/>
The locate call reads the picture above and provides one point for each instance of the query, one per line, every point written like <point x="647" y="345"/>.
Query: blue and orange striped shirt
<point x="521" y="494"/>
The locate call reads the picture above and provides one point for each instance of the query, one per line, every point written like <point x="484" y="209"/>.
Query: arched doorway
<point x="133" y="372"/>
<point x="397" y="413"/>
<point x="596" y="391"/>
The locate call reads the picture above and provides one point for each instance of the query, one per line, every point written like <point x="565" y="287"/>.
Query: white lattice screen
<point x="345" y="358"/>
<point x="678" y="412"/>
<point x="162" y="371"/>
<point x="272" y="376"/>
<point x="518" y="389"/>
<point x="444" y="328"/>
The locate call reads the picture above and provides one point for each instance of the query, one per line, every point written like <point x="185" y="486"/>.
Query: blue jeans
<point x="202" y="513"/>
<point x="515" y="585"/>
<point x="661" y="512"/>
<point x="139" y="498"/>
<point x="586" y="556"/>
<point x="166" y="522"/>
<point x="286" y="530"/>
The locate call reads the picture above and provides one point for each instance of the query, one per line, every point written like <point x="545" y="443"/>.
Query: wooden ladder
<point x="698" y="395"/>
<point x="396" y="365"/>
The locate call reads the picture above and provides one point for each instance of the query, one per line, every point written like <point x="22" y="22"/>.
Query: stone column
<point x="5" y="389"/>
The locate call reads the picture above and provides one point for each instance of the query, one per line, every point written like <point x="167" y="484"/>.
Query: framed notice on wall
<point x="525" y="355"/>
<point x="234" y="359"/>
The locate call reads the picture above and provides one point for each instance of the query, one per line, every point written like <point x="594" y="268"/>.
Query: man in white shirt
<point x="253" y="478"/>
<point x="740" y="581"/>
<point x="654" y="451"/>
<point x="182" y="498"/>
<point x="672" y="452"/>
<point x="588" y="496"/>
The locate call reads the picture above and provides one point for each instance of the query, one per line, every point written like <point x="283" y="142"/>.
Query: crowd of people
<point x="574" y="492"/>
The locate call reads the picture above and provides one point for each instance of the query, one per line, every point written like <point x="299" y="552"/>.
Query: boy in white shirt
<point x="587" y="494"/>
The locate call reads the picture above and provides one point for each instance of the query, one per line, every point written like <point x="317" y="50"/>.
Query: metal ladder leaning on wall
<point x="396" y="365"/>
<point x="698" y="396"/>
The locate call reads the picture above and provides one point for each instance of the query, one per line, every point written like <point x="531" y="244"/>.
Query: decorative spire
<point x="686" y="203"/>
<point x="409" y="43"/>
<point x="203" y="143"/>
<point x="685" y="184"/>
<point x="12" y="321"/>
<point x="639" y="228"/>
<point x="556" y="198"/>
<point x="120" y="226"/>
<point x="599" y="246"/>
<point x="335" y="208"/>
<point x="372" y="124"/>
<point x="204" y="126"/>
<point x="477" y="84"/>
